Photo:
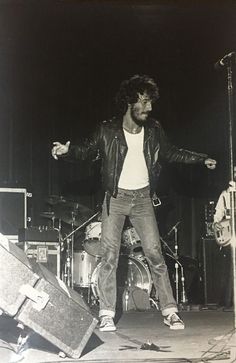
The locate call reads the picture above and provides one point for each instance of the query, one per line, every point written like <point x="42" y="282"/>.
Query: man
<point x="222" y="213"/>
<point x="222" y="209"/>
<point x="130" y="146"/>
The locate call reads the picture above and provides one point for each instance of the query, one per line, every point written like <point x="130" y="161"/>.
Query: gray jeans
<point x="136" y="204"/>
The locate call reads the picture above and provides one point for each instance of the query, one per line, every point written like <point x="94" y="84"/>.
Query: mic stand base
<point x="177" y="265"/>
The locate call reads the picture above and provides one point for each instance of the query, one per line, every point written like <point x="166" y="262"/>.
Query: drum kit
<point x="80" y="257"/>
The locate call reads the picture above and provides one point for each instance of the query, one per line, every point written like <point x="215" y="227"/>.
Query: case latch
<point x="39" y="298"/>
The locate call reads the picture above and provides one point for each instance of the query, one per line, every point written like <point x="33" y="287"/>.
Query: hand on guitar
<point x="223" y="233"/>
<point x="217" y="226"/>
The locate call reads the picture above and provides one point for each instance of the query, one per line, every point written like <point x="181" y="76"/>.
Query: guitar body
<point x="223" y="236"/>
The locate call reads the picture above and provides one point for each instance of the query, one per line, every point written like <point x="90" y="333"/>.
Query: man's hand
<point x="210" y="163"/>
<point x="217" y="226"/>
<point x="60" y="149"/>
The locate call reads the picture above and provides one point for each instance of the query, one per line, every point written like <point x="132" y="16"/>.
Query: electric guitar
<point x="224" y="235"/>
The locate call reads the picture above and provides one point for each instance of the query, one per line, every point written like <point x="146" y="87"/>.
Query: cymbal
<point x="54" y="199"/>
<point x="72" y="212"/>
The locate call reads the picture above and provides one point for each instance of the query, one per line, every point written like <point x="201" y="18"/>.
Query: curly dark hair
<point x="129" y="89"/>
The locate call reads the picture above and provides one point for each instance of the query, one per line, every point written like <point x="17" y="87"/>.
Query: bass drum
<point x="92" y="242"/>
<point x="83" y="267"/>
<point x="132" y="271"/>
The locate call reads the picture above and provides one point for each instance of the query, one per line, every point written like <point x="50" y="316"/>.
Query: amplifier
<point x="209" y="218"/>
<point x="214" y="276"/>
<point x="13" y="211"/>
<point x="46" y="253"/>
<point x="38" y="234"/>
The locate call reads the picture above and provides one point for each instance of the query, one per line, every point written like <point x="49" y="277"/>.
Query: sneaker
<point x="174" y="321"/>
<point x="107" y="324"/>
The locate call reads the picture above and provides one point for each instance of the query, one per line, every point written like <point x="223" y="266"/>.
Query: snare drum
<point x="92" y="239"/>
<point x="131" y="271"/>
<point x="83" y="267"/>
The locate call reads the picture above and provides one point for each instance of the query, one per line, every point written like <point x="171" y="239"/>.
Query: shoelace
<point x="106" y="320"/>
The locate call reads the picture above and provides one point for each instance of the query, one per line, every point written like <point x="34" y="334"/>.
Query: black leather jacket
<point x="109" y="144"/>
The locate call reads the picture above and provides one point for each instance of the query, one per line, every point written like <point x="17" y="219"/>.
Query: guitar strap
<point x="225" y="206"/>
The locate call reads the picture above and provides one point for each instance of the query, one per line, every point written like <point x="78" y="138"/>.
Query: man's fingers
<point x="68" y="143"/>
<point x="59" y="149"/>
<point x="54" y="153"/>
<point x="211" y="166"/>
<point x="210" y="163"/>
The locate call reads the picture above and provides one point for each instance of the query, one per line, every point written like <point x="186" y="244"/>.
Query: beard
<point x="138" y="117"/>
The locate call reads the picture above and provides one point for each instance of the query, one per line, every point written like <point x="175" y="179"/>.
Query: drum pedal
<point x="154" y="303"/>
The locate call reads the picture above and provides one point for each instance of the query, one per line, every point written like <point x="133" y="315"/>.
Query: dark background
<point x="61" y="63"/>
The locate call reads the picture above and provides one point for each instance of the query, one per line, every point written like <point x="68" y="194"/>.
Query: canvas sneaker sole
<point x="176" y="326"/>
<point x="107" y="328"/>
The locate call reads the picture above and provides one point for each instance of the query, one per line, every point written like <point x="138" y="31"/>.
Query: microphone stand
<point x="176" y="241"/>
<point x="176" y="263"/>
<point x="232" y="190"/>
<point x="228" y="61"/>
<point x="174" y="256"/>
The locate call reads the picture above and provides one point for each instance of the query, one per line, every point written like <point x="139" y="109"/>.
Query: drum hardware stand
<point x="53" y="221"/>
<point x="69" y="274"/>
<point x="177" y="265"/>
<point x="126" y="295"/>
<point x="127" y="288"/>
<point x="23" y="338"/>
<point x="153" y="302"/>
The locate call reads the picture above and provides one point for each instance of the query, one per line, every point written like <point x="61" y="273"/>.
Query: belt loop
<point x="155" y="200"/>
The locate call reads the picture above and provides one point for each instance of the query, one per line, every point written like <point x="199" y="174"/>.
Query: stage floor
<point x="140" y="337"/>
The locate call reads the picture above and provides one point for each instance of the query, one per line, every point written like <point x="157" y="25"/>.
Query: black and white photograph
<point x="117" y="181"/>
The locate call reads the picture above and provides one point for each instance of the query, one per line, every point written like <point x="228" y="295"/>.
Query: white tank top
<point x="134" y="174"/>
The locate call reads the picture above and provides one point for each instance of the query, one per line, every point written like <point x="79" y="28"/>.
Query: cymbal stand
<point x="69" y="273"/>
<point x="177" y="265"/>
<point x="53" y="222"/>
<point x="81" y="226"/>
<point x="69" y="266"/>
<point x="72" y="249"/>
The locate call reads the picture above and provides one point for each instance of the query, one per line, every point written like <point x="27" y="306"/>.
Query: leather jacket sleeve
<point x="171" y="153"/>
<point x="86" y="150"/>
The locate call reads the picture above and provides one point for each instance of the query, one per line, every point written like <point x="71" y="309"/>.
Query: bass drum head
<point x="92" y="247"/>
<point x="92" y="242"/>
<point x="83" y="267"/>
<point x="131" y="271"/>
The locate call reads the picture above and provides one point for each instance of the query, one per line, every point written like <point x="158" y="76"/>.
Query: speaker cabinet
<point x="215" y="260"/>
<point x="15" y="271"/>
<point x="13" y="210"/>
<point x="61" y="317"/>
<point x="38" y="299"/>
